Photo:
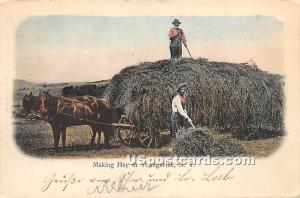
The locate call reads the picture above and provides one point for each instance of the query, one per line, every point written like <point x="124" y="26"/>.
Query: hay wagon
<point x="128" y="134"/>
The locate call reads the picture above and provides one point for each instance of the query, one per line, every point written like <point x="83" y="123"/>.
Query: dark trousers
<point x="176" y="52"/>
<point x="177" y="122"/>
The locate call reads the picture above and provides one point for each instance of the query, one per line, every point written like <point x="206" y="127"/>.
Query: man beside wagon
<point x="179" y="113"/>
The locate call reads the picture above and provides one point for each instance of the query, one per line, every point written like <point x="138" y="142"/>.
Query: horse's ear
<point x="30" y="94"/>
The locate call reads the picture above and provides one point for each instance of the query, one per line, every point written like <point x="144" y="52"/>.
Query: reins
<point x="95" y="122"/>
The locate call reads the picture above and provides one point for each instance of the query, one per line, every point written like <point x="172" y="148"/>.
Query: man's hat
<point x="176" y="21"/>
<point x="184" y="84"/>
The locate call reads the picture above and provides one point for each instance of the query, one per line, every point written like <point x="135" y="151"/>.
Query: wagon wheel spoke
<point x="146" y="138"/>
<point x="157" y="142"/>
<point x="143" y="140"/>
<point x="150" y="142"/>
<point x="125" y="134"/>
<point x="146" y="141"/>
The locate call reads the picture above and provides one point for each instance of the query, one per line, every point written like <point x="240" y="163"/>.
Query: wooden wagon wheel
<point x="125" y="134"/>
<point x="149" y="138"/>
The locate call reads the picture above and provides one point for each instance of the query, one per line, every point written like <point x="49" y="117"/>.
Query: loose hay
<point x="197" y="143"/>
<point x="231" y="97"/>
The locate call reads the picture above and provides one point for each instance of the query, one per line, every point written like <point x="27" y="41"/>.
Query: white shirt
<point x="177" y="106"/>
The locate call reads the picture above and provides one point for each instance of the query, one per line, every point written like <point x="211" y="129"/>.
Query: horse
<point x="29" y="104"/>
<point x="62" y="112"/>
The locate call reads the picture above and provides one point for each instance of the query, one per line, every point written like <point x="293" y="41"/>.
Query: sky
<point x="91" y="48"/>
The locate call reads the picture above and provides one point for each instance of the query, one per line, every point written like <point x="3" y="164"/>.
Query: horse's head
<point x="29" y="104"/>
<point x="44" y="101"/>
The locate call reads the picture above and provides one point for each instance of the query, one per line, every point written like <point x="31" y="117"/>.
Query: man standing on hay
<point x="179" y="113"/>
<point x="177" y="37"/>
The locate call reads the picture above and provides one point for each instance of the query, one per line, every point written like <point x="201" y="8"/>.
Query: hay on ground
<point x="197" y="143"/>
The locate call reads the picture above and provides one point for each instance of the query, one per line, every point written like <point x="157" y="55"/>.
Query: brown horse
<point x="61" y="112"/>
<point x="29" y="104"/>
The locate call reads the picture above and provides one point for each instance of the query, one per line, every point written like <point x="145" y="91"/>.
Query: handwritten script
<point x="130" y="181"/>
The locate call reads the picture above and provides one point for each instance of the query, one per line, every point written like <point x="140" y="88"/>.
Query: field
<point x="35" y="137"/>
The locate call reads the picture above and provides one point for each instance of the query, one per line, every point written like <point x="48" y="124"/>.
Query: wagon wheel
<point x="149" y="138"/>
<point x="126" y="135"/>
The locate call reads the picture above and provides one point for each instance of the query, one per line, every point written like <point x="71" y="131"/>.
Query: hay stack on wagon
<point x="237" y="98"/>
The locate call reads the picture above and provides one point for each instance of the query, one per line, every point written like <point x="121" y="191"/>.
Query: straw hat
<point x="176" y="21"/>
<point x="180" y="85"/>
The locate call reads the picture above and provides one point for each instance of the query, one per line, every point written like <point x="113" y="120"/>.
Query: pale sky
<point x="79" y="48"/>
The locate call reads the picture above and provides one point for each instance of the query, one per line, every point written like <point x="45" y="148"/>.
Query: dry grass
<point x="262" y="148"/>
<point x="36" y="139"/>
<point x="230" y="97"/>
<point x="257" y="148"/>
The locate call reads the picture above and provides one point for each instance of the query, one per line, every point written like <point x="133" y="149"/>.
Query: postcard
<point x="149" y="99"/>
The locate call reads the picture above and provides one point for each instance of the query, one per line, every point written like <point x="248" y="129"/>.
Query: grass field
<point x="35" y="137"/>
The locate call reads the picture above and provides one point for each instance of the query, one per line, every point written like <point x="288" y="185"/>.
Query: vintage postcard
<point x="149" y="99"/>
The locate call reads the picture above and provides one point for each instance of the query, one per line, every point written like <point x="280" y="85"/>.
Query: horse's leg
<point x="99" y="137"/>
<point x="86" y="113"/>
<point x="94" y="130"/>
<point x="108" y="131"/>
<point x="56" y="136"/>
<point x="106" y="139"/>
<point x="74" y="109"/>
<point x="63" y="136"/>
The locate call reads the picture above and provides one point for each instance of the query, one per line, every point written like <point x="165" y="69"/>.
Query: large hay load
<point x="238" y="98"/>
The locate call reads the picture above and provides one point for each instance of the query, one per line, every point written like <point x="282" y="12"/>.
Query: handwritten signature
<point x="126" y="182"/>
<point x="64" y="181"/>
<point x="131" y="181"/>
<point x="215" y="175"/>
